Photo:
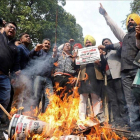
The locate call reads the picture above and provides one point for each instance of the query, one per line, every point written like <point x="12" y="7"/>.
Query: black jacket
<point x="129" y="51"/>
<point x="8" y="54"/>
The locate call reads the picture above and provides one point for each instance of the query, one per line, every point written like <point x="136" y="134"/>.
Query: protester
<point x="23" y="50"/>
<point x="128" y="69"/>
<point x="64" y="70"/>
<point x="92" y="85"/>
<point x="114" y="84"/>
<point x="17" y="42"/>
<point x="20" y="79"/>
<point x="23" y="81"/>
<point x="42" y="75"/>
<point x="8" y="53"/>
<point x="77" y="46"/>
<point x="71" y="41"/>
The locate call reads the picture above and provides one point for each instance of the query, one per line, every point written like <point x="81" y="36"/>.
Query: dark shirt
<point x="8" y="54"/>
<point x="129" y="51"/>
<point x="23" y="57"/>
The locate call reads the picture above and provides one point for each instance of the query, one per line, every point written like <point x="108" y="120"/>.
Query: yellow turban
<point x="135" y="17"/>
<point x="91" y="39"/>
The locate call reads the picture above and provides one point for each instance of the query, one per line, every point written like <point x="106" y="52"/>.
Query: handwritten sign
<point x="87" y="55"/>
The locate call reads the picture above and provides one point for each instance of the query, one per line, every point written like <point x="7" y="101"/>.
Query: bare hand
<point x="75" y="53"/>
<point x="102" y="11"/>
<point x="18" y="72"/>
<point x="138" y="32"/>
<point x="38" y="47"/>
<point x="102" y="52"/>
<point x="101" y="47"/>
<point x="97" y="62"/>
<point x="12" y="81"/>
<point x="55" y="50"/>
<point x="4" y="22"/>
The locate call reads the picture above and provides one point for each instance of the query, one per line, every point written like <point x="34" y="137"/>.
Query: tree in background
<point x="135" y="6"/>
<point x="38" y="18"/>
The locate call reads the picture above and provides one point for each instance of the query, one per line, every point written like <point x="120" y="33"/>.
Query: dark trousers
<point x="133" y="107"/>
<point x="40" y="85"/>
<point x="5" y="89"/>
<point x="116" y="100"/>
<point x="63" y="82"/>
<point x="11" y="99"/>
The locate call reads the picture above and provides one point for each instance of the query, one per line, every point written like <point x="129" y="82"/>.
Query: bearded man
<point x="8" y="54"/>
<point x="92" y="86"/>
<point x="128" y="68"/>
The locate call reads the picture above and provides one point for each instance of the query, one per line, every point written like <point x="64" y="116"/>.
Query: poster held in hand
<point x="87" y="55"/>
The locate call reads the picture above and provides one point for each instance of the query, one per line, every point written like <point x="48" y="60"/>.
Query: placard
<point x="87" y="55"/>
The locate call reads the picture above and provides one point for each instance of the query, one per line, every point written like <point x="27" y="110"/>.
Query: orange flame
<point x="56" y="64"/>
<point x="86" y="77"/>
<point x="72" y="80"/>
<point x="62" y="118"/>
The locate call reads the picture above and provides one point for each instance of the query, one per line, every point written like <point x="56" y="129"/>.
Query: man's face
<point x="10" y="30"/>
<point x="131" y="23"/>
<point x="67" y="47"/>
<point x="88" y="43"/>
<point x="46" y="45"/>
<point x="106" y="42"/>
<point x="25" y="39"/>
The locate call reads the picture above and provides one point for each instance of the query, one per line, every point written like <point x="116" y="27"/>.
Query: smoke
<point x="41" y="66"/>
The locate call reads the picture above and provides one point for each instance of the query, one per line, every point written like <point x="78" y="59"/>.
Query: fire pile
<point x="61" y="118"/>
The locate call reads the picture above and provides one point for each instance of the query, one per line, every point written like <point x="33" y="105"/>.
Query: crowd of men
<point x="25" y="74"/>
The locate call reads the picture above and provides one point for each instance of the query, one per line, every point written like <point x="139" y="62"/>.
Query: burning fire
<point x="61" y="115"/>
<point x="62" y="118"/>
<point x="56" y="64"/>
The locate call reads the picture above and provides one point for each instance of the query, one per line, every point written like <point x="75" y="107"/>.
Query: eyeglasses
<point x="12" y="27"/>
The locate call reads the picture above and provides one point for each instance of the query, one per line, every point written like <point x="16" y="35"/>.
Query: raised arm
<point x="117" y="31"/>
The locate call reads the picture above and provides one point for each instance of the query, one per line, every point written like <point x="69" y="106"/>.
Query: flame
<point x="13" y="111"/>
<point x="86" y="77"/>
<point x="20" y="110"/>
<point x="56" y="64"/>
<point x="57" y="87"/>
<point x="62" y="118"/>
<point x="61" y="115"/>
<point x="72" y="80"/>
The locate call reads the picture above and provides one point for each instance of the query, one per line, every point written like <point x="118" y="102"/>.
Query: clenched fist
<point x="38" y="47"/>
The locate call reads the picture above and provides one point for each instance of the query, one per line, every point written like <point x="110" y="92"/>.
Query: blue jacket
<point x="23" y="57"/>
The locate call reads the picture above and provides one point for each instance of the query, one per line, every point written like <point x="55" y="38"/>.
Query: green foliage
<point x="38" y="18"/>
<point x="135" y="6"/>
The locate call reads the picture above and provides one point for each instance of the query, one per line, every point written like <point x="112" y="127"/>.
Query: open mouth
<point x="10" y="32"/>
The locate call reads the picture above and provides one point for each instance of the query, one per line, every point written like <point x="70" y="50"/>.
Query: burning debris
<point x="60" y="122"/>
